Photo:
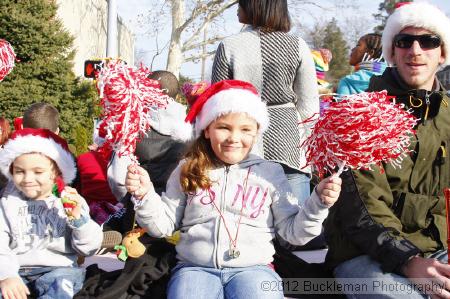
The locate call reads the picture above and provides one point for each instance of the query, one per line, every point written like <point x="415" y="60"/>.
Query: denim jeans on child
<point x="300" y="185"/>
<point x="381" y="285"/>
<point x="53" y="282"/>
<point x="299" y="182"/>
<point x="194" y="282"/>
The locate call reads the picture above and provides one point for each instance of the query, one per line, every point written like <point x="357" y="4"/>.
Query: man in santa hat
<point x="389" y="226"/>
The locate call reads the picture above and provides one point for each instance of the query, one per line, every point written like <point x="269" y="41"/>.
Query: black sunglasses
<point x="426" y="41"/>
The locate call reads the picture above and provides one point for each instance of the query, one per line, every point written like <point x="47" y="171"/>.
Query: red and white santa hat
<point x="41" y="141"/>
<point x="228" y="96"/>
<point x="416" y="14"/>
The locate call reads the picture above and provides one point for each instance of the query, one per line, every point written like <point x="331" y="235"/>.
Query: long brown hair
<point x="200" y="158"/>
<point x="270" y="15"/>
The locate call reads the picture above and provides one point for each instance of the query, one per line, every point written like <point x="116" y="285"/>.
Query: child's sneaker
<point x="111" y="238"/>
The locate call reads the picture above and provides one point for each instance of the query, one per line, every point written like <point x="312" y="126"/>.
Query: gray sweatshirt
<point x="268" y="207"/>
<point x="36" y="233"/>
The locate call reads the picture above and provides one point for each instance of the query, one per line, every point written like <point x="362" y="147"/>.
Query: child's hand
<point x="13" y="288"/>
<point x="137" y="181"/>
<point x="72" y="202"/>
<point x="329" y="190"/>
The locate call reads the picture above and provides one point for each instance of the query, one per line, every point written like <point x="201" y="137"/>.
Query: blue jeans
<point x="369" y="271"/>
<point x="299" y="182"/>
<point x="300" y="185"/>
<point x="53" y="282"/>
<point x="188" y="281"/>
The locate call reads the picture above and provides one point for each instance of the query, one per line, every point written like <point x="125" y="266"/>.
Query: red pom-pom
<point x="128" y="98"/>
<point x="7" y="58"/>
<point x="360" y="131"/>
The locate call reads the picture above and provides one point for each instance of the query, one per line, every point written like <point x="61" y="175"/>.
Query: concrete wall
<point x="86" y="20"/>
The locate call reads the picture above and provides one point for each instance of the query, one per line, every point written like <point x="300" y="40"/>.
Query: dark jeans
<point x="52" y="282"/>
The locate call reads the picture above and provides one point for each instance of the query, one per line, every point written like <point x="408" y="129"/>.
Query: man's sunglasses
<point x="426" y="41"/>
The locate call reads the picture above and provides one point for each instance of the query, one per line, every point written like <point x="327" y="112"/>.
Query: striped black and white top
<point x="281" y="67"/>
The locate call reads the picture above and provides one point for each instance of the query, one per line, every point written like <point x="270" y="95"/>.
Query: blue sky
<point x="130" y="9"/>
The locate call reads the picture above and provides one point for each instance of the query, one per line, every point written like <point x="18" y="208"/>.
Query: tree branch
<point x="203" y="43"/>
<point x="211" y="8"/>
<point x="200" y="56"/>
<point x="210" y="16"/>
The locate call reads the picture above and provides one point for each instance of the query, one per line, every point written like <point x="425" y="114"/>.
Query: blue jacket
<point x="359" y="81"/>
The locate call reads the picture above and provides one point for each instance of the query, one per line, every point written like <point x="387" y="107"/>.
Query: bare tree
<point x="353" y="20"/>
<point x="355" y="27"/>
<point x="188" y="20"/>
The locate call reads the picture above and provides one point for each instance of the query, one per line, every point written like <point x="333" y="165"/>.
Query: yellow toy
<point x="131" y="246"/>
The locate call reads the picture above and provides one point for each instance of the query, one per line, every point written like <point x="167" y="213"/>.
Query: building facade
<point x="87" y="20"/>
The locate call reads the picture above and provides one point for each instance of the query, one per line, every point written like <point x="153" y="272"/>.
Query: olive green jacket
<point x="393" y="213"/>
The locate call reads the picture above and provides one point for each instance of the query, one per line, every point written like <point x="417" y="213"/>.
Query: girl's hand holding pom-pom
<point x="137" y="181"/>
<point x="329" y="190"/>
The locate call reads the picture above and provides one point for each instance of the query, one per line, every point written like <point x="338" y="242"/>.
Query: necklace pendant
<point x="233" y="252"/>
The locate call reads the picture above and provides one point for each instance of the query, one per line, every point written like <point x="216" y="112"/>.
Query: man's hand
<point x="429" y="275"/>
<point x="13" y="288"/>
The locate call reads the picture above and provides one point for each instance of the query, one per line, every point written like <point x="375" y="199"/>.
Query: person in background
<point x="227" y="202"/>
<point x="5" y="131"/>
<point x="40" y="237"/>
<point x="41" y="116"/>
<point x="162" y="147"/>
<point x="389" y="224"/>
<point x="281" y="67"/>
<point x="93" y="184"/>
<point x="367" y="59"/>
<point x="158" y="152"/>
<point x="322" y="58"/>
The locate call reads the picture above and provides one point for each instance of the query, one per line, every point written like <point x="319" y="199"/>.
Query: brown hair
<point x="5" y="130"/>
<point x="167" y="81"/>
<point x="41" y="116"/>
<point x="199" y="159"/>
<point x="271" y="15"/>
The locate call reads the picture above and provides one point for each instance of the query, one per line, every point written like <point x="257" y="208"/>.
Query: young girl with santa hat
<point x="227" y="202"/>
<point x="42" y="230"/>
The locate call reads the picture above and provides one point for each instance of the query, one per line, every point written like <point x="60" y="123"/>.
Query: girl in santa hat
<point x="43" y="226"/>
<point x="227" y="202"/>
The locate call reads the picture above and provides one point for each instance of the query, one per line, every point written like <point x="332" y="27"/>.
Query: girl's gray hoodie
<point x="269" y="207"/>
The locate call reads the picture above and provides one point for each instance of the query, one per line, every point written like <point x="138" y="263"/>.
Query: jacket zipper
<point x="427" y="103"/>
<point x="222" y="206"/>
